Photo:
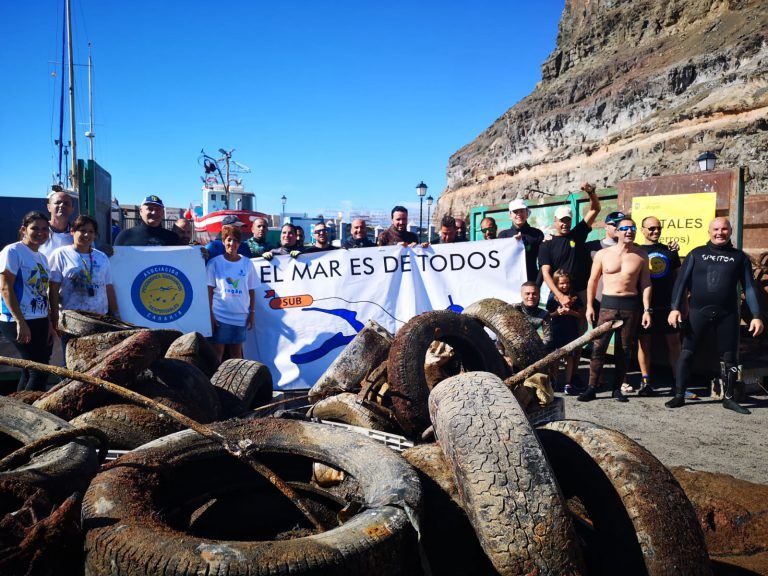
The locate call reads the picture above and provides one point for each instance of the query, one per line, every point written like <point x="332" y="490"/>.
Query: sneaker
<point x="690" y="395"/>
<point x="570" y="390"/>
<point x="626" y="388"/>
<point x="676" y="402"/>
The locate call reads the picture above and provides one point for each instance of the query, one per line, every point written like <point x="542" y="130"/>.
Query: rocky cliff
<point x="634" y="88"/>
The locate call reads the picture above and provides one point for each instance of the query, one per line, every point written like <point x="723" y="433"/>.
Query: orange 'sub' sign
<point x="280" y="302"/>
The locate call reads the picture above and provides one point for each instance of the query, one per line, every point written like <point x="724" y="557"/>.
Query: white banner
<point x="162" y="287"/>
<point x="309" y="308"/>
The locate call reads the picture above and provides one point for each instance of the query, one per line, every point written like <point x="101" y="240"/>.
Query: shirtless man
<point x="626" y="277"/>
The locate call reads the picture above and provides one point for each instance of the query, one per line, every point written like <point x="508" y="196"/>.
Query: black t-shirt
<point x="569" y="252"/>
<point x="532" y="239"/>
<point x="663" y="263"/>
<point x="143" y="235"/>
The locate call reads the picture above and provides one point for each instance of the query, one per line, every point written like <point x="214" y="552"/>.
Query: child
<point x="565" y="325"/>
<point x="231" y="294"/>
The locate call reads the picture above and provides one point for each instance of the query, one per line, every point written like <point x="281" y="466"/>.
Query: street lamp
<point x="421" y="190"/>
<point x="282" y="220"/>
<point x="429" y="222"/>
<point x="707" y="161"/>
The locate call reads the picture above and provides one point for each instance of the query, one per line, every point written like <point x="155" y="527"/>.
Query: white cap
<point x="517" y="204"/>
<point x="563" y="212"/>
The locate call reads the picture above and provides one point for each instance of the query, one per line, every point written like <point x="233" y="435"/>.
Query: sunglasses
<point x="653" y="228"/>
<point x="321" y="231"/>
<point x="628" y="228"/>
<point x="485" y="230"/>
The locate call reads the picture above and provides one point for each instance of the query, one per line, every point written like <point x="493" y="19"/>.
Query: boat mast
<point x="73" y="178"/>
<point x="89" y="134"/>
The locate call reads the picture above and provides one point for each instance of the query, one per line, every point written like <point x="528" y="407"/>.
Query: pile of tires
<point x="382" y="382"/>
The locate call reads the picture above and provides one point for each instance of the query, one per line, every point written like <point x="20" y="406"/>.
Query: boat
<point x="224" y="195"/>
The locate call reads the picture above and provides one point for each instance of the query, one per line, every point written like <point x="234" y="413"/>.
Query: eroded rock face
<point x="633" y="89"/>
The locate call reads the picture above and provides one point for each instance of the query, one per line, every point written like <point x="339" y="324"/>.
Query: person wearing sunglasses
<point x="626" y="283"/>
<point x="664" y="263"/>
<point x="711" y="274"/>
<point x="320" y="238"/>
<point x="488" y="228"/>
<point x="530" y="237"/>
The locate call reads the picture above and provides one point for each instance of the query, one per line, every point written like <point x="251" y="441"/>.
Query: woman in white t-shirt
<point x="24" y="309"/>
<point x="231" y="294"/>
<point x="81" y="277"/>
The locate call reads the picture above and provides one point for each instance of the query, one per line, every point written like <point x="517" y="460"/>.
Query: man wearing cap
<point x="567" y="249"/>
<point x="531" y="237"/>
<point x="150" y="231"/>
<point x="488" y="228"/>
<point x="216" y="247"/>
<point x="60" y="207"/>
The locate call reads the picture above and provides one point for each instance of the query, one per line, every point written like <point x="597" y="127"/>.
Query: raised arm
<point x="594" y="204"/>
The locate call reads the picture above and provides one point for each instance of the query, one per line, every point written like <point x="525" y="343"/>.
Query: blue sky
<point x="336" y="105"/>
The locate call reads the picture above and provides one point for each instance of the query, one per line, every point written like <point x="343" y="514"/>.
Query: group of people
<point x="55" y="265"/>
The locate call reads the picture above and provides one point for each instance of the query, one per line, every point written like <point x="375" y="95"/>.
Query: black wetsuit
<point x="712" y="274"/>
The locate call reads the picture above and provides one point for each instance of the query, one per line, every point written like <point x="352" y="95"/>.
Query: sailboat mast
<point x="90" y="135"/>
<point x="74" y="180"/>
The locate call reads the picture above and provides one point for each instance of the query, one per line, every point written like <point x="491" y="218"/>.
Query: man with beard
<point x="530" y="237"/>
<point x="712" y="274"/>
<point x="257" y="244"/>
<point x="358" y="235"/>
<point x="288" y="244"/>
<point x="320" y="234"/>
<point x="397" y="233"/>
<point x="488" y="228"/>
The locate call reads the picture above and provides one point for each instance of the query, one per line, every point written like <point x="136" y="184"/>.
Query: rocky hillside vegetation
<point x="633" y="89"/>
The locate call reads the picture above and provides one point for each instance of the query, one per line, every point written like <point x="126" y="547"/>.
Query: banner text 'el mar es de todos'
<point x="309" y="308"/>
<point x="684" y="218"/>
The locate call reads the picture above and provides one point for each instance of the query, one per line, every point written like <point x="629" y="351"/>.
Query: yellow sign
<point x="684" y="218"/>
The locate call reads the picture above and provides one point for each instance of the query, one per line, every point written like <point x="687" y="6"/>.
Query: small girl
<point x="231" y="294"/>
<point x="565" y="325"/>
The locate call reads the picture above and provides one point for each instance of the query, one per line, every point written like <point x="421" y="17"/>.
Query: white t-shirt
<point x="56" y="240"/>
<point x="231" y="282"/>
<point x="81" y="275"/>
<point x="31" y="284"/>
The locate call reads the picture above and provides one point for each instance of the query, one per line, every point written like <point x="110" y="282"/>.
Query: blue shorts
<point x="228" y="334"/>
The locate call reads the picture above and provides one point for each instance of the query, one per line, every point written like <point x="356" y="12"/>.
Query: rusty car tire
<point x="128" y="426"/>
<point x="505" y="483"/>
<point x="60" y="470"/>
<point x="447" y="537"/>
<point x="248" y="381"/>
<point x="195" y="349"/>
<point x="346" y="408"/>
<point x="185" y="384"/>
<point x="84" y="351"/>
<point x="643" y="521"/>
<point x="126" y="533"/>
<point x="82" y="323"/>
<point x="408" y="389"/>
<point x="519" y="339"/>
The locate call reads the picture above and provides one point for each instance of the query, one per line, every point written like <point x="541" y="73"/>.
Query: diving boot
<point x="646" y="389"/>
<point x="676" y="402"/>
<point x="730" y="374"/>
<point x="587" y="395"/>
<point x="617" y="394"/>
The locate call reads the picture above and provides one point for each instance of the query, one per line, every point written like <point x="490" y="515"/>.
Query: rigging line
<point x="61" y="98"/>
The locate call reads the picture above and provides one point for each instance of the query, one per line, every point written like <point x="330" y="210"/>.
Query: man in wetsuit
<point x="712" y="273"/>
<point x="537" y="317"/>
<point x="257" y="244"/>
<point x="288" y="244"/>
<point x="358" y="236"/>
<point x="150" y="231"/>
<point x="626" y="280"/>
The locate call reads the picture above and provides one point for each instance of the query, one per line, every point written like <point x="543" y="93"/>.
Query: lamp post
<point x="429" y="222"/>
<point x="282" y="219"/>
<point x="421" y="190"/>
<point x="707" y="161"/>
